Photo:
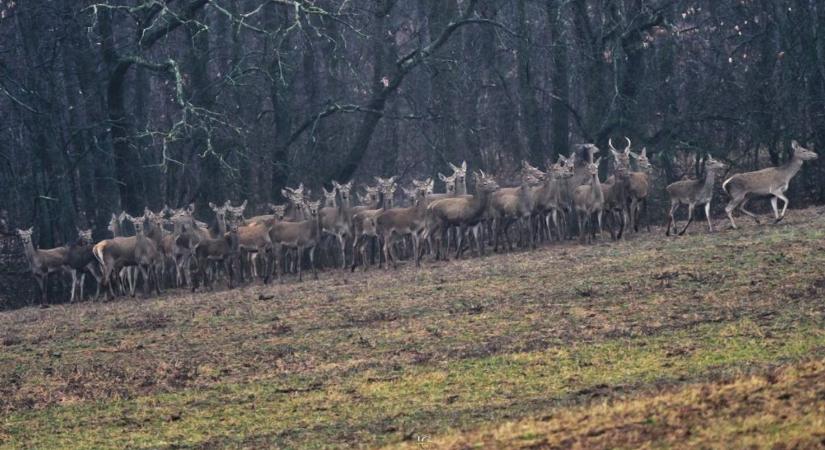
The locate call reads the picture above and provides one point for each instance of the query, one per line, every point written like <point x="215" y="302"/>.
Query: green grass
<point x="449" y="351"/>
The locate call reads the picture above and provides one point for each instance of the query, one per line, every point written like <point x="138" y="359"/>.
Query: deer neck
<point x="31" y="253"/>
<point x="596" y="190"/>
<point x="790" y="168"/>
<point x="478" y="204"/>
<point x="710" y="179"/>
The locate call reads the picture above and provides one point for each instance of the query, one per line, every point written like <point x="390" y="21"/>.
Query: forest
<point x="117" y="105"/>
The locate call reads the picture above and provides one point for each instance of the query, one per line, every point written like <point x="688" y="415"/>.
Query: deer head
<point x="642" y="160"/>
<point x="26" y="235"/>
<point x="802" y="153"/>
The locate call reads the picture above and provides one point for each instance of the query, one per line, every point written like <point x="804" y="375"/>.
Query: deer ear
<point x="644" y="151"/>
<point x="243" y="205"/>
<point x="454" y="167"/>
<point x="599" y="160"/>
<point x="464" y="166"/>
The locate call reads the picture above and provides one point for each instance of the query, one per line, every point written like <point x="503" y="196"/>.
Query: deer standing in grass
<point x="80" y="260"/>
<point x="548" y="196"/>
<point x="693" y="193"/>
<point x="772" y="181"/>
<point x="462" y="212"/>
<point x="616" y="190"/>
<point x="301" y="235"/>
<point x="515" y="205"/>
<point x="224" y="250"/>
<point x="582" y="156"/>
<point x="335" y="217"/>
<point x="396" y="223"/>
<point x="42" y="263"/>
<point x="639" y="189"/>
<point x="589" y="201"/>
<point x="364" y="222"/>
<point x="146" y="254"/>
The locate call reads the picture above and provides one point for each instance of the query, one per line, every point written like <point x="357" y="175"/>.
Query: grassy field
<point x="708" y="339"/>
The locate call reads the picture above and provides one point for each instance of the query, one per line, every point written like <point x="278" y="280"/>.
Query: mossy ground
<point x="707" y="338"/>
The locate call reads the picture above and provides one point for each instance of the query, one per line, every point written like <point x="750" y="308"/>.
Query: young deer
<point x="42" y="263"/>
<point x="335" y="218"/>
<point x="364" y="222"/>
<point x="224" y="250"/>
<point x="301" y="236"/>
<point x="639" y="188"/>
<point x="771" y="181"/>
<point x="589" y="200"/>
<point x="80" y="260"/>
<point x="693" y="193"/>
<point x="147" y="257"/>
<point x="548" y="195"/>
<point x="462" y="212"/>
<point x="515" y="204"/>
<point x="395" y="223"/>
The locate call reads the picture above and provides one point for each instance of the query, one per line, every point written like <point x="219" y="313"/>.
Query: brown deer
<point x="515" y="204"/>
<point x="462" y="212"/>
<point x="335" y="218"/>
<point x="364" y="222"/>
<point x="639" y="188"/>
<point x="771" y="181"/>
<point x="224" y="250"/>
<point x="42" y="263"/>
<point x="301" y="235"/>
<point x="146" y="254"/>
<point x="589" y="201"/>
<point x="80" y="260"/>
<point x="616" y="190"/>
<point x="548" y="195"/>
<point x="396" y="223"/>
<point x="693" y="193"/>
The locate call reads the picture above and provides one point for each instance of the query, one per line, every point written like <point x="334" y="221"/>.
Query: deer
<point x="145" y="252"/>
<point x="335" y="218"/>
<point x="80" y="260"/>
<point x="589" y="200"/>
<point x="616" y="189"/>
<point x="772" y="181"/>
<point x="301" y="235"/>
<point x="364" y="221"/>
<point x="693" y="193"/>
<point x="462" y="212"/>
<point x="398" y="222"/>
<point x="42" y="263"/>
<point x="509" y="205"/>
<point x="254" y="242"/>
<point x="639" y="188"/>
<point x="222" y="249"/>
<point x="582" y="156"/>
<point x="548" y="195"/>
<point x="116" y="255"/>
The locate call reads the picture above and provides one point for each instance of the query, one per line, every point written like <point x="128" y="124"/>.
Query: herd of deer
<point x="172" y="245"/>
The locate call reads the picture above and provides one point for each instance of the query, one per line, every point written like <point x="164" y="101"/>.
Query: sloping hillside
<point x="704" y="339"/>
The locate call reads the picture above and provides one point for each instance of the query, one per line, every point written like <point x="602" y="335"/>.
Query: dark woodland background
<point x="116" y="104"/>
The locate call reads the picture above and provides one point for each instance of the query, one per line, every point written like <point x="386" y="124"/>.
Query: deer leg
<point x="707" y="216"/>
<point x="74" y="285"/>
<point x="742" y="208"/>
<point x="732" y="204"/>
<point x="674" y="205"/>
<point x="691" y="206"/>
<point x="312" y="261"/>
<point x="479" y="241"/>
<point x="300" y="263"/>
<point x="782" y="197"/>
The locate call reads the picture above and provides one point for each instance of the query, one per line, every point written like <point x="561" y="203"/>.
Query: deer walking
<point x="693" y="193"/>
<point x="771" y="181"/>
